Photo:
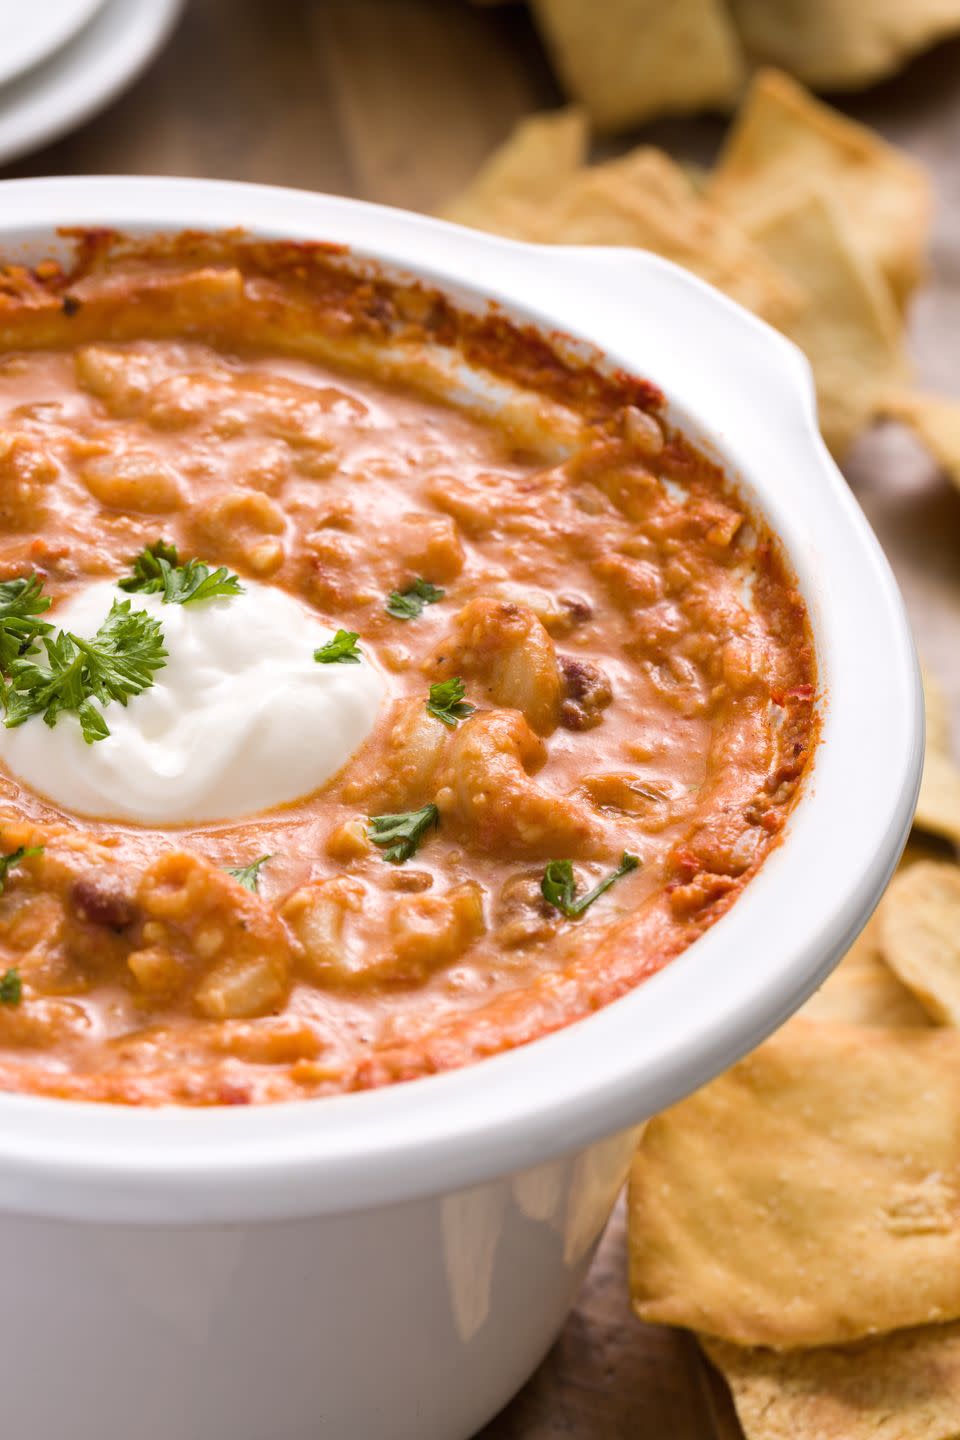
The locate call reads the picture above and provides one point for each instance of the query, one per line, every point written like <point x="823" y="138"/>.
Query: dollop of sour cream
<point x="240" y="719"/>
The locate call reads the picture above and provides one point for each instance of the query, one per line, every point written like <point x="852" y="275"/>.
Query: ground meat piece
<point x="586" y="693"/>
<point x="104" y="897"/>
<point x="575" y="608"/>
<point x="521" y="914"/>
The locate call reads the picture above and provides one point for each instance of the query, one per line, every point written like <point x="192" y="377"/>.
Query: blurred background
<point x="402" y="102"/>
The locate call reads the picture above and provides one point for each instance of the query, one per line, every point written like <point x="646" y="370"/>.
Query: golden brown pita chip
<point x="542" y="152"/>
<point x="784" y="140"/>
<point x="936" y="709"/>
<point x="810" y="1196"/>
<point x="863" y="990"/>
<point x="835" y="46"/>
<point x="900" y="1387"/>
<point x="626" y="60"/>
<point x="849" y="329"/>
<point x="935" y="420"/>
<point x="938" y="808"/>
<point x="644" y="199"/>
<point x="920" y="929"/>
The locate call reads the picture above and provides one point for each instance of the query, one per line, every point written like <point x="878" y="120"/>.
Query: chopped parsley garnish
<point x="408" y="604"/>
<point x="559" y="887"/>
<point x="147" y="567"/>
<point x="7" y="862"/>
<point x="119" y="661"/>
<point x="11" y="987"/>
<point x="341" y="650"/>
<point x="446" y="702"/>
<point x="158" y="570"/>
<point x="249" y="875"/>
<point x="21" y="602"/>
<point x="402" y="834"/>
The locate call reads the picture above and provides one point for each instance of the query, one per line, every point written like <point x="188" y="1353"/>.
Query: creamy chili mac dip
<point x="385" y="685"/>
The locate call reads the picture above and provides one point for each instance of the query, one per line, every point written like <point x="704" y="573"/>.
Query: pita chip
<point x="783" y="140"/>
<point x="541" y="154"/>
<point x="810" y="1196"/>
<point x="920" y="928"/>
<point x="626" y="60"/>
<point x="840" y="46"/>
<point x="935" y="420"/>
<point x="645" y="200"/>
<point x="904" y="1386"/>
<point x="863" y="990"/>
<point x="849" y="329"/>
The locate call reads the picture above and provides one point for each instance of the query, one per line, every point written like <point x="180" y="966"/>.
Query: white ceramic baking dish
<point x="392" y="1265"/>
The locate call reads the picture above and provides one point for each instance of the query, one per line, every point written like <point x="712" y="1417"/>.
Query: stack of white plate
<point x="63" y="60"/>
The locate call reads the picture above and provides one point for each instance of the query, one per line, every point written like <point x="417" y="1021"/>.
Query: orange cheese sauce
<point x="637" y="655"/>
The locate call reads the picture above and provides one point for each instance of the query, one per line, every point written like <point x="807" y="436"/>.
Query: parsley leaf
<point x="11" y="987"/>
<point x="158" y="570"/>
<point x="116" y="663"/>
<point x="7" y="862"/>
<point x="21" y="602"/>
<point x="196" y="581"/>
<point x="408" y="604"/>
<point x="22" y="597"/>
<point x="341" y="650"/>
<point x="147" y="574"/>
<point x="402" y="833"/>
<point x="559" y="888"/>
<point x="249" y="875"/>
<point x="446" y="702"/>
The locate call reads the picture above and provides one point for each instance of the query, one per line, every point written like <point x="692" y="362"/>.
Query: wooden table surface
<point x="398" y="101"/>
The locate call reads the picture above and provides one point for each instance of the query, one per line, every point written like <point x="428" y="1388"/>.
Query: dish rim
<point x="559" y="1093"/>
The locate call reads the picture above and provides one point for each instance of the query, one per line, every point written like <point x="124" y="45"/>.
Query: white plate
<point x="86" y="75"/>
<point x="33" y="31"/>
